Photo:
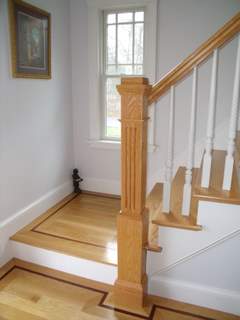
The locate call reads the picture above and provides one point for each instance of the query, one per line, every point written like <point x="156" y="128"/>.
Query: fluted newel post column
<point x="132" y="222"/>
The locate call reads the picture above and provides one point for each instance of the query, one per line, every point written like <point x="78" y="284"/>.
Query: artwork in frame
<point x="30" y="29"/>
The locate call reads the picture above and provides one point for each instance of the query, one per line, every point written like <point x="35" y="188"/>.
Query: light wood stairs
<point x="214" y="193"/>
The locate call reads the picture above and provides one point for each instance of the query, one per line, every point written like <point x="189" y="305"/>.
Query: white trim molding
<point x="21" y="218"/>
<point x="101" y="185"/>
<point x="115" y="145"/>
<point x="95" y="7"/>
<point x="205" y="296"/>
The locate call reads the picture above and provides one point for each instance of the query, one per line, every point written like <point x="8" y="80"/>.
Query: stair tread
<point x="215" y="192"/>
<point x="174" y="218"/>
<point x="176" y="221"/>
<point x="153" y="248"/>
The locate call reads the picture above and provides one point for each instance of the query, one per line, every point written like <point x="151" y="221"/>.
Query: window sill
<point x="115" y="145"/>
<point x="105" y="144"/>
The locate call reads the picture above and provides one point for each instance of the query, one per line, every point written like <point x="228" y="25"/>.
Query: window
<point x="123" y="55"/>
<point x="134" y="23"/>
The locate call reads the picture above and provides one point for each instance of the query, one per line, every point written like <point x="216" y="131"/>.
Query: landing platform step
<point x="82" y="226"/>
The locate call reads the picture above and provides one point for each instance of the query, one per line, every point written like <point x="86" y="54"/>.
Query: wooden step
<point x="173" y="219"/>
<point x="153" y="248"/>
<point x="215" y="192"/>
<point x="82" y="226"/>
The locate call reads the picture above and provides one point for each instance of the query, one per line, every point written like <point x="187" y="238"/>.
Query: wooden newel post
<point x="132" y="222"/>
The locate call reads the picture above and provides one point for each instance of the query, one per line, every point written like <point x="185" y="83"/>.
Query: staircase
<point x="174" y="218"/>
<point x="173" y="204"/>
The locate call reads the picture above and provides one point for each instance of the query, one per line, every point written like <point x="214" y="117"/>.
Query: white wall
<point x="210" y="279"/>
<point x="208" y="268"/>
<point x="204" y="261"/>
<point x="182" y="26"/>
<point x="36" y="148"/>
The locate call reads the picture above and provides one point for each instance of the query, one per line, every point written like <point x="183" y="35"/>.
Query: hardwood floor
<point x="86" y="219"/>
<point x="82" y="226"/>
<point x="29" y="291"/>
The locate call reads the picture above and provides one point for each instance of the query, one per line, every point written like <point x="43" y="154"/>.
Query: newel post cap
<point x="134" y="86"/>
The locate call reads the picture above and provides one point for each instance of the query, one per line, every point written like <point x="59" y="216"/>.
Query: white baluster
<point x="207" y="159"/>
<point x="187" y="190"/>
<point x="229" y="161"/>
<point x="169" y="162"/>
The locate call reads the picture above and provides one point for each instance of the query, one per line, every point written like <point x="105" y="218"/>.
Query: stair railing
<point x="190" y="65"/>
<point x="136" y="96"/>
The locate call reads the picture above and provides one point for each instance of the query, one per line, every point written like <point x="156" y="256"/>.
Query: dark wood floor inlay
<point x="105" y="293"/>
<point x="34" y="229"/>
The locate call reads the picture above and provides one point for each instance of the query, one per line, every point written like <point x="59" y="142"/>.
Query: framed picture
<point x="30" y="29"/>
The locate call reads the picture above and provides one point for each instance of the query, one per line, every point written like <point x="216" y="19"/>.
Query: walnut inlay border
<point x="104" y="295"/>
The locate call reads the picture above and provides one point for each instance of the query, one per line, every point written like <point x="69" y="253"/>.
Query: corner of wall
<point x="10" y="226"/>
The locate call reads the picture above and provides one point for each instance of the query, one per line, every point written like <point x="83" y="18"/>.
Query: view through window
<point x="123" y="55"/>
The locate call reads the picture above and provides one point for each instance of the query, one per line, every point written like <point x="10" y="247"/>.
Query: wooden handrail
<point x="224" y="34"/>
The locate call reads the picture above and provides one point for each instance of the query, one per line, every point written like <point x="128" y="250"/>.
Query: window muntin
<point x="123" y="55"/>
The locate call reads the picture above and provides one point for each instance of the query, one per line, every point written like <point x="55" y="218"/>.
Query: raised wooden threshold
<point x="29" y="291"/>
<point x="173" y="219"/>
<point x="215" y="192"/>
<point x="83" y="226"/>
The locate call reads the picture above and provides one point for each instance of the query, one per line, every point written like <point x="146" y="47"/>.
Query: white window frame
<point x="95" y="51"/>
<point x="103" y="123"/>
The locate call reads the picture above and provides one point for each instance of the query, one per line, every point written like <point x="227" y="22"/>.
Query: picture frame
<point x="30" y="33"/>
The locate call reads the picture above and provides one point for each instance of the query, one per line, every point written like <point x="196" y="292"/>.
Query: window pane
<point x="138" y="45"/>
<point x="112" y="129"/>
<point x="125" y="38"/>
<point x="111" y="44"/>
<point x="124" y="56"/>
<point x="125" y="69"/>
<point x="111" y="18"/>
<point x="120" y="69"/>
<point x="139" y="16"/>
<point x="138" y="69"/>
<point x="111" y="69"/>
<point x="125" y="17"/>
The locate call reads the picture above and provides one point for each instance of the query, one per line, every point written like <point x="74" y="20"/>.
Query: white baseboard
<point x="110" y="186"/>
<point x="21" y="218"/>
<point x="77" y="266"/>
<point x="210" y="297"/>
<point x="101" y="185"/>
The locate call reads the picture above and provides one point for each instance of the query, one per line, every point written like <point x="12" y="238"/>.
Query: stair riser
<point x="77" y="266"/>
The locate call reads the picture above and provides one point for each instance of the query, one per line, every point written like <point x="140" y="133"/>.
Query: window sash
<point x="117" y="75"/>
